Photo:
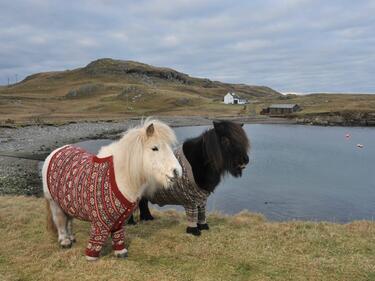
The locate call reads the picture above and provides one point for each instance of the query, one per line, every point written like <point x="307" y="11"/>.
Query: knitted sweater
<point x="84" y="186"/>
<point x="184" y="192"/>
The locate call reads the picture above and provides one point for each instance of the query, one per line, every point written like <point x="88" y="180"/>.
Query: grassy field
<point x="241" y="247"/>
<point x="109" y="89"/>
<point x="322" y="103"/>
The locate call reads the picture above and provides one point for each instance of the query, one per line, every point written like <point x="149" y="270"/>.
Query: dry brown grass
<point x="42" y="98"/>
<point x="31" y="107"/>
<point x="243" y="247"/>
<point x="47" y="97"/>
<point x="325" y="103"/>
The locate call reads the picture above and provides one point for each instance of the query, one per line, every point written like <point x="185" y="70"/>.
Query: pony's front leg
<point x="192" y="218"/>
<point x="145" y="213"/>
<point x="202" y="222"/>
<point x="98" y="236"/>
<point x="118" y="243"/>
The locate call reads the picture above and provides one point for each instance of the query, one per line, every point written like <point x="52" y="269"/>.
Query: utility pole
<point x="16" y="78"/>
<point x="8" y="81"/>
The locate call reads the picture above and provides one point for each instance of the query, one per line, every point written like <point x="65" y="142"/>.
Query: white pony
<point x="105" y="189"/>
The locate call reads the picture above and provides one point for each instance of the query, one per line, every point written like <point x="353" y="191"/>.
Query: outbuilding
<point x="281" y="109"/>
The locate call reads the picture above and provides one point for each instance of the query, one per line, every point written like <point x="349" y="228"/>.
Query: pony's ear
<point x="150" y="130"/>
<point x="219" y="127"/>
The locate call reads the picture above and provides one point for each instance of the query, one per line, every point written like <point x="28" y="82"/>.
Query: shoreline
<point x="334" y="119"/>
<point x="22" y="176"/>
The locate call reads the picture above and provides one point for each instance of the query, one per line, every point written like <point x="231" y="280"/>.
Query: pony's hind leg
<point x="61" y="221"/>
<point x="69" y="228"/>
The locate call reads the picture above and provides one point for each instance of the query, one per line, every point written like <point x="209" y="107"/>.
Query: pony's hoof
<point x="88" y="258"/>
<point x="147" y="217"/>
<point x="131" y="221"/>
<point x="68" y="246"/>
<point x="66" y="243"/>
<point x="73" y="239"/>
<point x="193" y="230"/>
<point x="203" y="226"/>
<point x="121" y="254"/>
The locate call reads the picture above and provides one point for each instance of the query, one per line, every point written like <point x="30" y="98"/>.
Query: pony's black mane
<point x="216" y="152"/>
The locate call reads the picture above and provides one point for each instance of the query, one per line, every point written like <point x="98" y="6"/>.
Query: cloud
<point x="290" y="45"/>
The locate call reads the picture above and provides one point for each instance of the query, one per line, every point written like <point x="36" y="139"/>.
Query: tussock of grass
<point x="242" y="247"/>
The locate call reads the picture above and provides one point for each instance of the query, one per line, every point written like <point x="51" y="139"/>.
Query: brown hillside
<point x="110" y="89"/>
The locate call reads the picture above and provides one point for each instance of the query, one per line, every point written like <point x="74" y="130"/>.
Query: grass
<point x="241" y="247"/>
<point x="109" y="89"/>
<point x="56" y="107"/>
<point x="114" y="90"/>
<point x="324" y="103"/>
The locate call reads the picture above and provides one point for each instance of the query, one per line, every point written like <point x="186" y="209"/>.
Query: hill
<point x="111" y="89"/>
<point x="108" y="89"/>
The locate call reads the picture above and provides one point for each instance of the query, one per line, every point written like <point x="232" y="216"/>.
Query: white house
<point x="232" y="98"/>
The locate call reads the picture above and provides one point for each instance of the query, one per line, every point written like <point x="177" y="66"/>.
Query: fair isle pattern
<point x="184" y="192"/>
<point x="84" y="186"/>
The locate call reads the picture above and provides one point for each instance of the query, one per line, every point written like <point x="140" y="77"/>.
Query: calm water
<point x="298" y="172"/>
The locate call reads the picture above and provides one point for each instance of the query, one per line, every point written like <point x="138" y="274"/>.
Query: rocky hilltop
<point x="108" y="89"/>
<point x="114" y="89"/>
<point x="131" y="72"/>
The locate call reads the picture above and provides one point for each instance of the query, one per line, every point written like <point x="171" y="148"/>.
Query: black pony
<point x="216" y="152"/>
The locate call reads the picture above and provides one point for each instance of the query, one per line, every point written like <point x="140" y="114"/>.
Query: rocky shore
<point x="19" y="175"/>
<point x="352" y="119"/>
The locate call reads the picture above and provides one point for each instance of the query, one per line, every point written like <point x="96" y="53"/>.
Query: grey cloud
<point x="290" y="45"/>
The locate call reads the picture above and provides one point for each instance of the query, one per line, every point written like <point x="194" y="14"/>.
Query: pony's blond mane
<point x="128" y="155"/>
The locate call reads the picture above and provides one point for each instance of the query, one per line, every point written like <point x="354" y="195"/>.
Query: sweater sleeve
<point x="98" y="236"/>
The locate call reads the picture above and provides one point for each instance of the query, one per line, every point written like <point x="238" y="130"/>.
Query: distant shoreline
<point x="347" y="119"/>
<point x="173" y="121"/>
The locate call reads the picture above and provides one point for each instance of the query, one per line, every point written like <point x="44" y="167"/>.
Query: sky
<point x="301" y="46"/>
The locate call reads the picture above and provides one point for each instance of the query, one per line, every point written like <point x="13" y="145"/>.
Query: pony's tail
<point x="50" y="224"/>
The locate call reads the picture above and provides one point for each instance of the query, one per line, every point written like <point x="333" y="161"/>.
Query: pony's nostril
<point x="246" y="159"/>
<point x="175" y="173"/>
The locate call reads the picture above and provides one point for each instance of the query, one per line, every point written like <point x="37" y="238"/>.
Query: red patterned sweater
<point x="84" y="186"/>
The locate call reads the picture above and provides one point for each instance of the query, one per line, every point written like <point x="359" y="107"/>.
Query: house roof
<point x="282" y="105"/>
<point x="235" y="95"/>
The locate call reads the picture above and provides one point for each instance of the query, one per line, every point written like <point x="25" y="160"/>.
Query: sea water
<point x="297" y="172"/>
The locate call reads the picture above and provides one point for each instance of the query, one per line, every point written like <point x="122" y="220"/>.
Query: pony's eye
<point x="155" y="148"/>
